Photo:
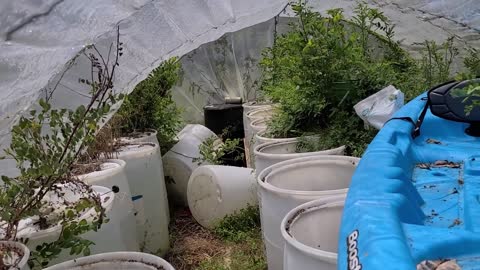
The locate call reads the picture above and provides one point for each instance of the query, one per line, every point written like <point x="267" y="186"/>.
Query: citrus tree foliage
<point x="45" y="145"/>
<point x="472" y="62"/>
<point x="326" y="64"/>
<point x="150" y="105"/>
<point x="214" y="151"/>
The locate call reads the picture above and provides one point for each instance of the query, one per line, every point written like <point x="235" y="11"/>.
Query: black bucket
<point x="227" y="117"/>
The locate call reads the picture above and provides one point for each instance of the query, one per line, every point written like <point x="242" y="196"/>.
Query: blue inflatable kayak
<point x="414" y="200"/>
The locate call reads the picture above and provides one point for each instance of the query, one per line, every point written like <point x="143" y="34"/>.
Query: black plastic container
<point x="229" y="117"/>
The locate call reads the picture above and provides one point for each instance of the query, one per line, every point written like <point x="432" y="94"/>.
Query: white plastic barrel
<point x="197" y="131"/>
<point x="15" y="255"/>
<point x="147" y="184"/>
<point x="112" y="175"/>
<point x="261" y="138"/>
<point x="216" y="191"/>
<point x="115" y="260"/>
<point x="256" y="121"/>
<point x="179" y="161"/>
<point x="258" y="125"/>
<point x="148" y="136"/>
<point x="262" y="111"/>
<point x="271" y="153"/>
<point x="107" y="239"/>
<point x="252" y="105"/>
<point x="310" y="232"/>
<point x="285" y="185"/>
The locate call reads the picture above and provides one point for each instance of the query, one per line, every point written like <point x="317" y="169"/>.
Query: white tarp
<point x="39" y="37"/>
<point x="226" y="67"/>
<point x="420" y="20"/>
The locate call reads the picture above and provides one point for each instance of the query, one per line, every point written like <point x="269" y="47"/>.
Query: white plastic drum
<point x="112" y="175"/>
<point x="265" y="110"/>
<point x="14" y="255"/>
<point x="217" y="191"/>
<point x="310" y="232"/>
<point x="149" y="136"/>
<point x="261" y="138"/>
<point x="145" y="177"/>
<point x="256" y="120"/>
<point x="290" y="183"/>
<point x="117" y="261"/>
<point x="199" y="132"/>
<point x="271" y="153"/>
<point x="260" y="113"/>
<point x="252" y="105"/>
<point x="258" y="125"/>
<point x="179" y="161"/>
<point x="107" y="239"/>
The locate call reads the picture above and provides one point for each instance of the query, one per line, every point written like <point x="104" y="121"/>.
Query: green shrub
<point x="326" y="64"/>
<point x="46" y="159"/>
<point x="220" y="151"/>
<point x="348" y="133"/>
<point x="240" y="226"/>
<point x="150" y="105"/>
<point x="472" y="62"/>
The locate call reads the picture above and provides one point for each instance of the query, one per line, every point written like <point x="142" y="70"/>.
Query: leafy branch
<point x="45" y="145"/>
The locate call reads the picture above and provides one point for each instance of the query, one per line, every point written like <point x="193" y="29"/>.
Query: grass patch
<point x="242" y="236"/>
<point x="235" y="244"/>
<point x="248" y="255"/>
<point x="190" y="243"/>
<point x="241" y="226"/>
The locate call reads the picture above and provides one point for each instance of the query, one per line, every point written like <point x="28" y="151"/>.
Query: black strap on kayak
<point x="404" y="118"/>
<point x="416" y="125"/>
<point x="416" y="129"/>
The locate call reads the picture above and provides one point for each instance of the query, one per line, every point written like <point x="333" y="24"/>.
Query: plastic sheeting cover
<point x="227" y="67"/>
<point x="39" y="38"/>
<point x="420" y="20"/>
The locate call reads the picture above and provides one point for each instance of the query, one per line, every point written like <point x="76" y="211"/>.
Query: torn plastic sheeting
<point x="34" y="58"/>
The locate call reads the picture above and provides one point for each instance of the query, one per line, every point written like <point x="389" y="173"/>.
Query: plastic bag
<point x="379" y="107"/>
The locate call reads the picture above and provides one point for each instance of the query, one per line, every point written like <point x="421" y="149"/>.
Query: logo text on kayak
<point x="353" y="260"/>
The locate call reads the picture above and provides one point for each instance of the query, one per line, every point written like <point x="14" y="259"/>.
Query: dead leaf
<point x="424" y="166"/>
<point x="441" y="162"/>
<point x="433" y="141"/>
<point x="429" y="265"/>
<point x="456" y="222"/>
<point x="438" y="265"/>
<point x="446" y="163"/>
<point x="449" y="265"/>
